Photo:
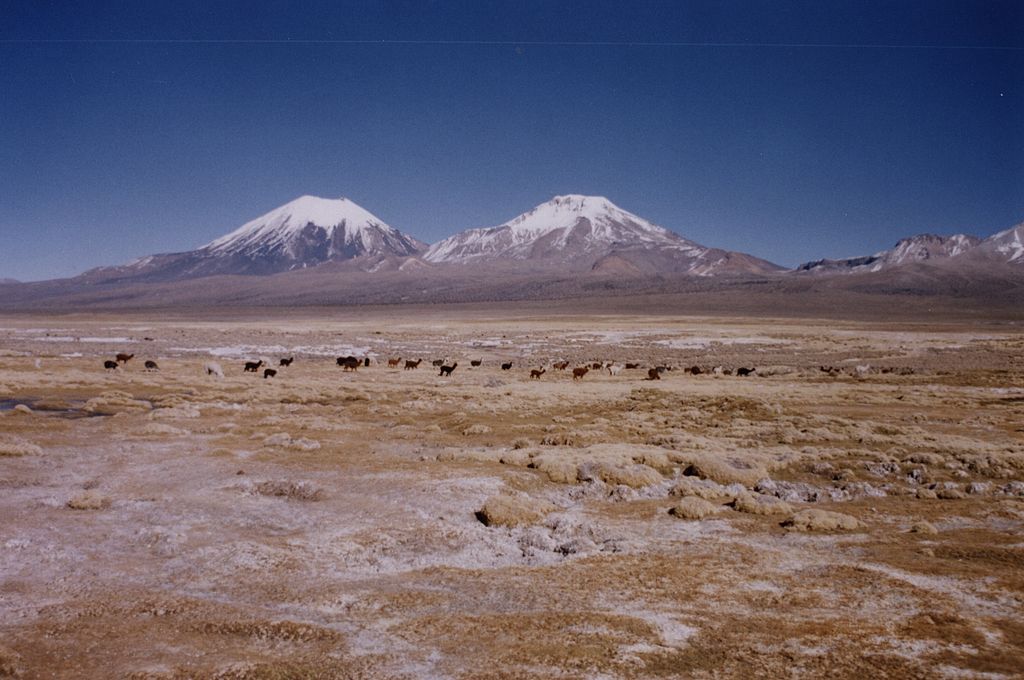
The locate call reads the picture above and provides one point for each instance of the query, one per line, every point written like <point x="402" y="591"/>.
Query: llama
<point x="475" y="363"/>
<point x="286" y="362"/>
<point x="393" y="363"/>
<point x="630" y="366"/>
<point x="213" y="368"/>
<point x="614" y="369"/>
<point x="124" y="358"/>
<point x="743" y="372"/>
<point x="561" y="365"/>
<point x="446" y="371"/>
<point x="269" y="373"/>
<point x="653" y="374"/>
<point x="695" y="370"/>
<point x="537" y="373"/>
<point x="578" y="373"/>
<point x="436" y="363"/>
<point x="350" y="364"/>
<point x="597" y="365"/>
<point x="506" y="366"/>
<point x="110" y="365"/>
<point x="366" y="362"/>
<point x="410" y="365"/>
<point x="151" y="365"/>
<point x="253" y="366"/>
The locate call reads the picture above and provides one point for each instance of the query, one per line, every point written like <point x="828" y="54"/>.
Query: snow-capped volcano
<point x="588" y="232"/>
<point x="302" y="233"/>
<point x="311" y="230"/>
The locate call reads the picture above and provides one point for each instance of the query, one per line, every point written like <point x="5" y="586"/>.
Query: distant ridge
<point x="1005" y="247"/>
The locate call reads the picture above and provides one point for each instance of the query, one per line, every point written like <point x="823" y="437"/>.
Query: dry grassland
<point x="389" y="523"/>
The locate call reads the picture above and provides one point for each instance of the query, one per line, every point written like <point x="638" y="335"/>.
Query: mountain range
<point x="1005" y="247"/>
<point x="566" y="234"/>
<point x="319" y="251"/>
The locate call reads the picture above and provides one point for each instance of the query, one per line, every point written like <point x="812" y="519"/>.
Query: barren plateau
<point x="853" y="508"/>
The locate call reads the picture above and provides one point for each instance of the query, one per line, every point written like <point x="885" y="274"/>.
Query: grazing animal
<point x="344" y="360"/>
<point x="350" y="364"/>
<point x="597" y="365"/>
<point x="578" y="373"/>
<point x="614" y="369"/>
<point x="287" y="362"/>
<point x="631" y="366"/>
<point x="535" y="373"/>
<point x="410" y="365"/>
<point x="476" y="362"/>
<point x="718" y="370"/>
<point x="662" y="369"/>
<point x="653" y="374"/>
<point x="447" y="370"/>
<point x="695" y="370"/>
<point x="151" y="365"/>
<point x="123" y="358"/>
<point x="269" y="373"/>
<point x="366" y="362"/>
<point x="253" y="366"/>
<point x="393" y="363"/>
<point x="745" y="371"/>
<point x="437" y="362"/>
<point x="109" y="365"/>
<point x="507" y="366"/>
<point x="561" y="365"/>
<point x="213" y="368"/>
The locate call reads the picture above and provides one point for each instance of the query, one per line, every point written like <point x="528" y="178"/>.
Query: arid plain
<point x="384" y="523"/>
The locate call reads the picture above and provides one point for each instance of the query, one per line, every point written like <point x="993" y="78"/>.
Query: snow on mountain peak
<point x="565" y="226"/>
<point x="288" y="221"/>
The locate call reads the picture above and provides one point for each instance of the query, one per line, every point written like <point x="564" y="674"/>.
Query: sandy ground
<point x="389" y="523"/>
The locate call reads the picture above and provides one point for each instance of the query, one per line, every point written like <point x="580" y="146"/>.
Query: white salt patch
<point x="68" y="338"/>
<point x="699" y="342"/>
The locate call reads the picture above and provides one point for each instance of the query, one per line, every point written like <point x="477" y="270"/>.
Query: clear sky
<point x="789" y="130"/>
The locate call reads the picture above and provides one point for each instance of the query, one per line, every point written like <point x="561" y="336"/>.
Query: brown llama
<point x="653" y="374"/>
<point x="410" y="365"/>
<point x="151" y="365"/>
<point x="269" y="373"/>
<point x="578" y="373"/>
<point x="535" y="373"/>
<point x="253" y="366"/>
<point x="109" y="365"/>
<point x="123" y="358"/>
<point x="446" y="371"/>
<point x="393" y="363"/>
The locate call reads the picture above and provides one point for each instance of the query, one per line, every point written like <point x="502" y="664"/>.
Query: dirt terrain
<point x="854" y="508"/>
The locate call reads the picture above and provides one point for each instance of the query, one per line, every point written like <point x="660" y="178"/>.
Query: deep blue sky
<point x="790" y="130"/>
